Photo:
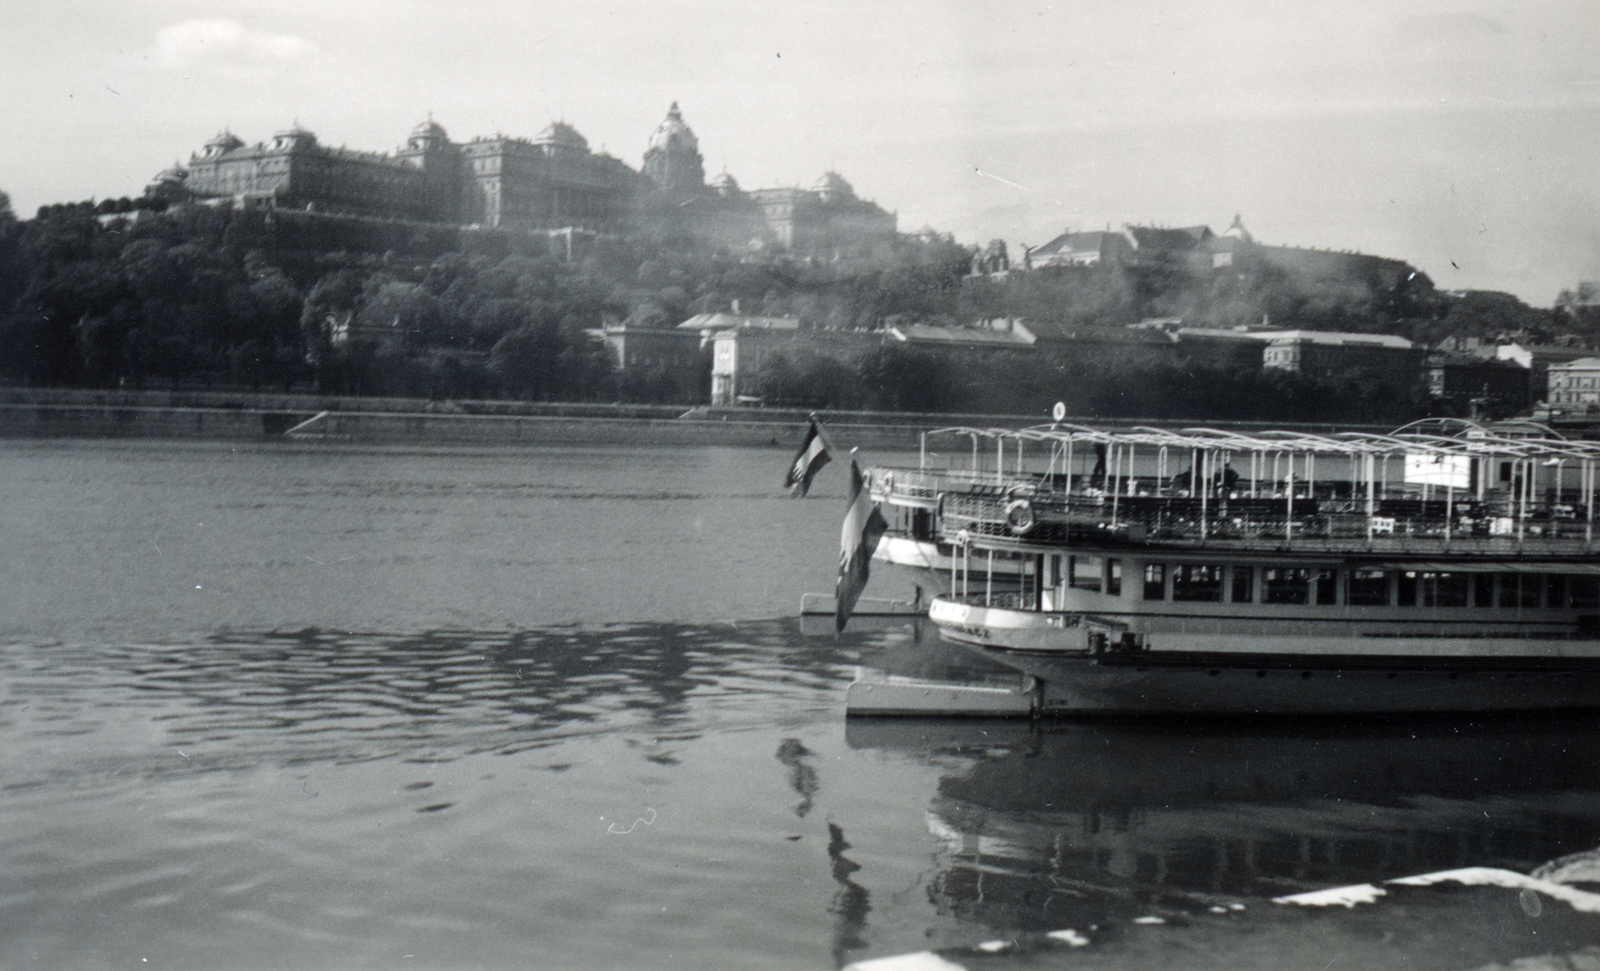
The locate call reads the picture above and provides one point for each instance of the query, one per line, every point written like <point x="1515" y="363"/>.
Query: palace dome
<point x="563" y="134"/>
<point x="673" y="135"/>
<point x="226" y="141"/>
<point x="832" y="185"/>
<point x="293" y="138"/>
<point x="430" y="129"/>
<point x="167" y="180"/>
<point x="725" y="184"/>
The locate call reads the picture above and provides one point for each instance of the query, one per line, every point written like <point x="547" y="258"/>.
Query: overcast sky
<point x="1463" y="137"/>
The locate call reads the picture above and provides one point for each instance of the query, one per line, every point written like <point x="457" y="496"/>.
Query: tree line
<point x="130" y="294"/>
<point x="1092" y="381"/>
<point x="210" y="296"/>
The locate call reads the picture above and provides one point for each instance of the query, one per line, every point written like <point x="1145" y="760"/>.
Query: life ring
<point x="1019" y="516"/>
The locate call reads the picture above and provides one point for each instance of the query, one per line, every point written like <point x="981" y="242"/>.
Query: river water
<point x="323" y="706"/>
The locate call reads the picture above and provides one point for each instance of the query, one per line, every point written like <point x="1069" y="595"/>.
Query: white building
<point x="1575" y="382"/>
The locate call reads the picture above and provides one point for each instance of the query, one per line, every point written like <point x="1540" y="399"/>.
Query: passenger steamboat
<point x="1448" y="566"/>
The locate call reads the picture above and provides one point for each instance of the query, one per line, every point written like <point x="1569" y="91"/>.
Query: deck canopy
<point x="1439" y="479"/>
<point x="1523" y="440"/>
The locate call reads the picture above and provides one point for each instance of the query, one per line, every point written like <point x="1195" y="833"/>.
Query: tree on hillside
<point x="1580" y="308"/>
<point x="809" y="379"/>
<point x="401" y="311"/>
<point x="1485" y="314"/>
<point x="16" y="269"/>
<point x="895" y="377"/>
<point x="527" y="361"/>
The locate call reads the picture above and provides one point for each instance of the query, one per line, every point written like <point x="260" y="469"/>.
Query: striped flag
<point x="813" y="455"/>
<point x="863" y="526"/>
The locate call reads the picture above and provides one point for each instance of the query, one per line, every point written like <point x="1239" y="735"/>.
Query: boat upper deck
<point x="1434" y="488"/>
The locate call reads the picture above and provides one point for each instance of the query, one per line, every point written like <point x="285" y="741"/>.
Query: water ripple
<point x="305" y="695"/>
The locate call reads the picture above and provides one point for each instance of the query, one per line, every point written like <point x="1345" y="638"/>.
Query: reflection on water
<point x="314" y="695"/>
<point x="463" y="782"/>
<point x="326" y="797"/>
<point x="1071" y="824"/>
<point x="851" y="903"/>
<point x="687" y="795"/>
<point x="802" y="774"/>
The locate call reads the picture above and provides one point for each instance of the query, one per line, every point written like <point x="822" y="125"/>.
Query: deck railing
<point x="1030" y="509"/>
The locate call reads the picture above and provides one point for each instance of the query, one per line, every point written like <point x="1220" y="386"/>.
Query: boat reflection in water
<point x="1051" y="824"/>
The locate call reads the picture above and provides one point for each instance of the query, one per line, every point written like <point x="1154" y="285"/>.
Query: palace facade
<point x="553" y="181"/>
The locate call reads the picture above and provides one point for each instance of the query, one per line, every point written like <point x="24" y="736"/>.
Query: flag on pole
<point x="813" y="455"/>
<point x="863" y="526"/>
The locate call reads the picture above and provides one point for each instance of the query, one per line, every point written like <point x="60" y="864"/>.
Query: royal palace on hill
<point x="550" y="182"/>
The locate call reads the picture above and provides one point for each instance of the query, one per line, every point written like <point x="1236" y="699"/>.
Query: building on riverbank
<point x="1324" y="352"/>
<point x="1197" y="251"/>
<point x="634" y="348"/>
<point x="1538" y="359"/>
<point x="1475" y="386"/>
<point x="1575" y="385"/>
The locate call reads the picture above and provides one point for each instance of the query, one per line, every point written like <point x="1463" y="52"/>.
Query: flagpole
<point x="822" y="432"/>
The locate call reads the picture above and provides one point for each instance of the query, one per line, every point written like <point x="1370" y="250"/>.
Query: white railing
<point x="1020" y="508"/>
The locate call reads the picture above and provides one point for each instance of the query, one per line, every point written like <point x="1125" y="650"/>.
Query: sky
<point x="1462" y="136"/>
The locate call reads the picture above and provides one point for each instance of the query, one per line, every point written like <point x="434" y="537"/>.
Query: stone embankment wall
<point x="74" y="413"/>
<point x="67" y="413"/>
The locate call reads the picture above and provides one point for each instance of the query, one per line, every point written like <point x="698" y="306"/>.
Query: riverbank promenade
<point x="246" y="415"/>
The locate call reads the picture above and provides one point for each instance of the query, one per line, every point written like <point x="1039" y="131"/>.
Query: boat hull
<point x="1087" y="667"/>
<point x="920" y="554"/>
<point x="1085" y="686"/>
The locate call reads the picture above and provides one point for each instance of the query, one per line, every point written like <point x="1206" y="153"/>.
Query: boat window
<point x="1114" y="577"/>
<point x="1327" y="587"/>
<point x="1368" y="588"/>
<point x="1196" y="581"/>
<point x="1426" y="588"/>
<point x="1555" y="590"/>
<point x="1406" y="588"/>
<point x="1155" y="581"/>
<point x="1286" y="585"/>
<point x="1584" y="591"/>
<point x="1244" y="584"/>
<point x="1444" y="589"/>
<point x="1483" y="589"/>
<point x="1085" y="572"/>
<point x="1519" y="590"/>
